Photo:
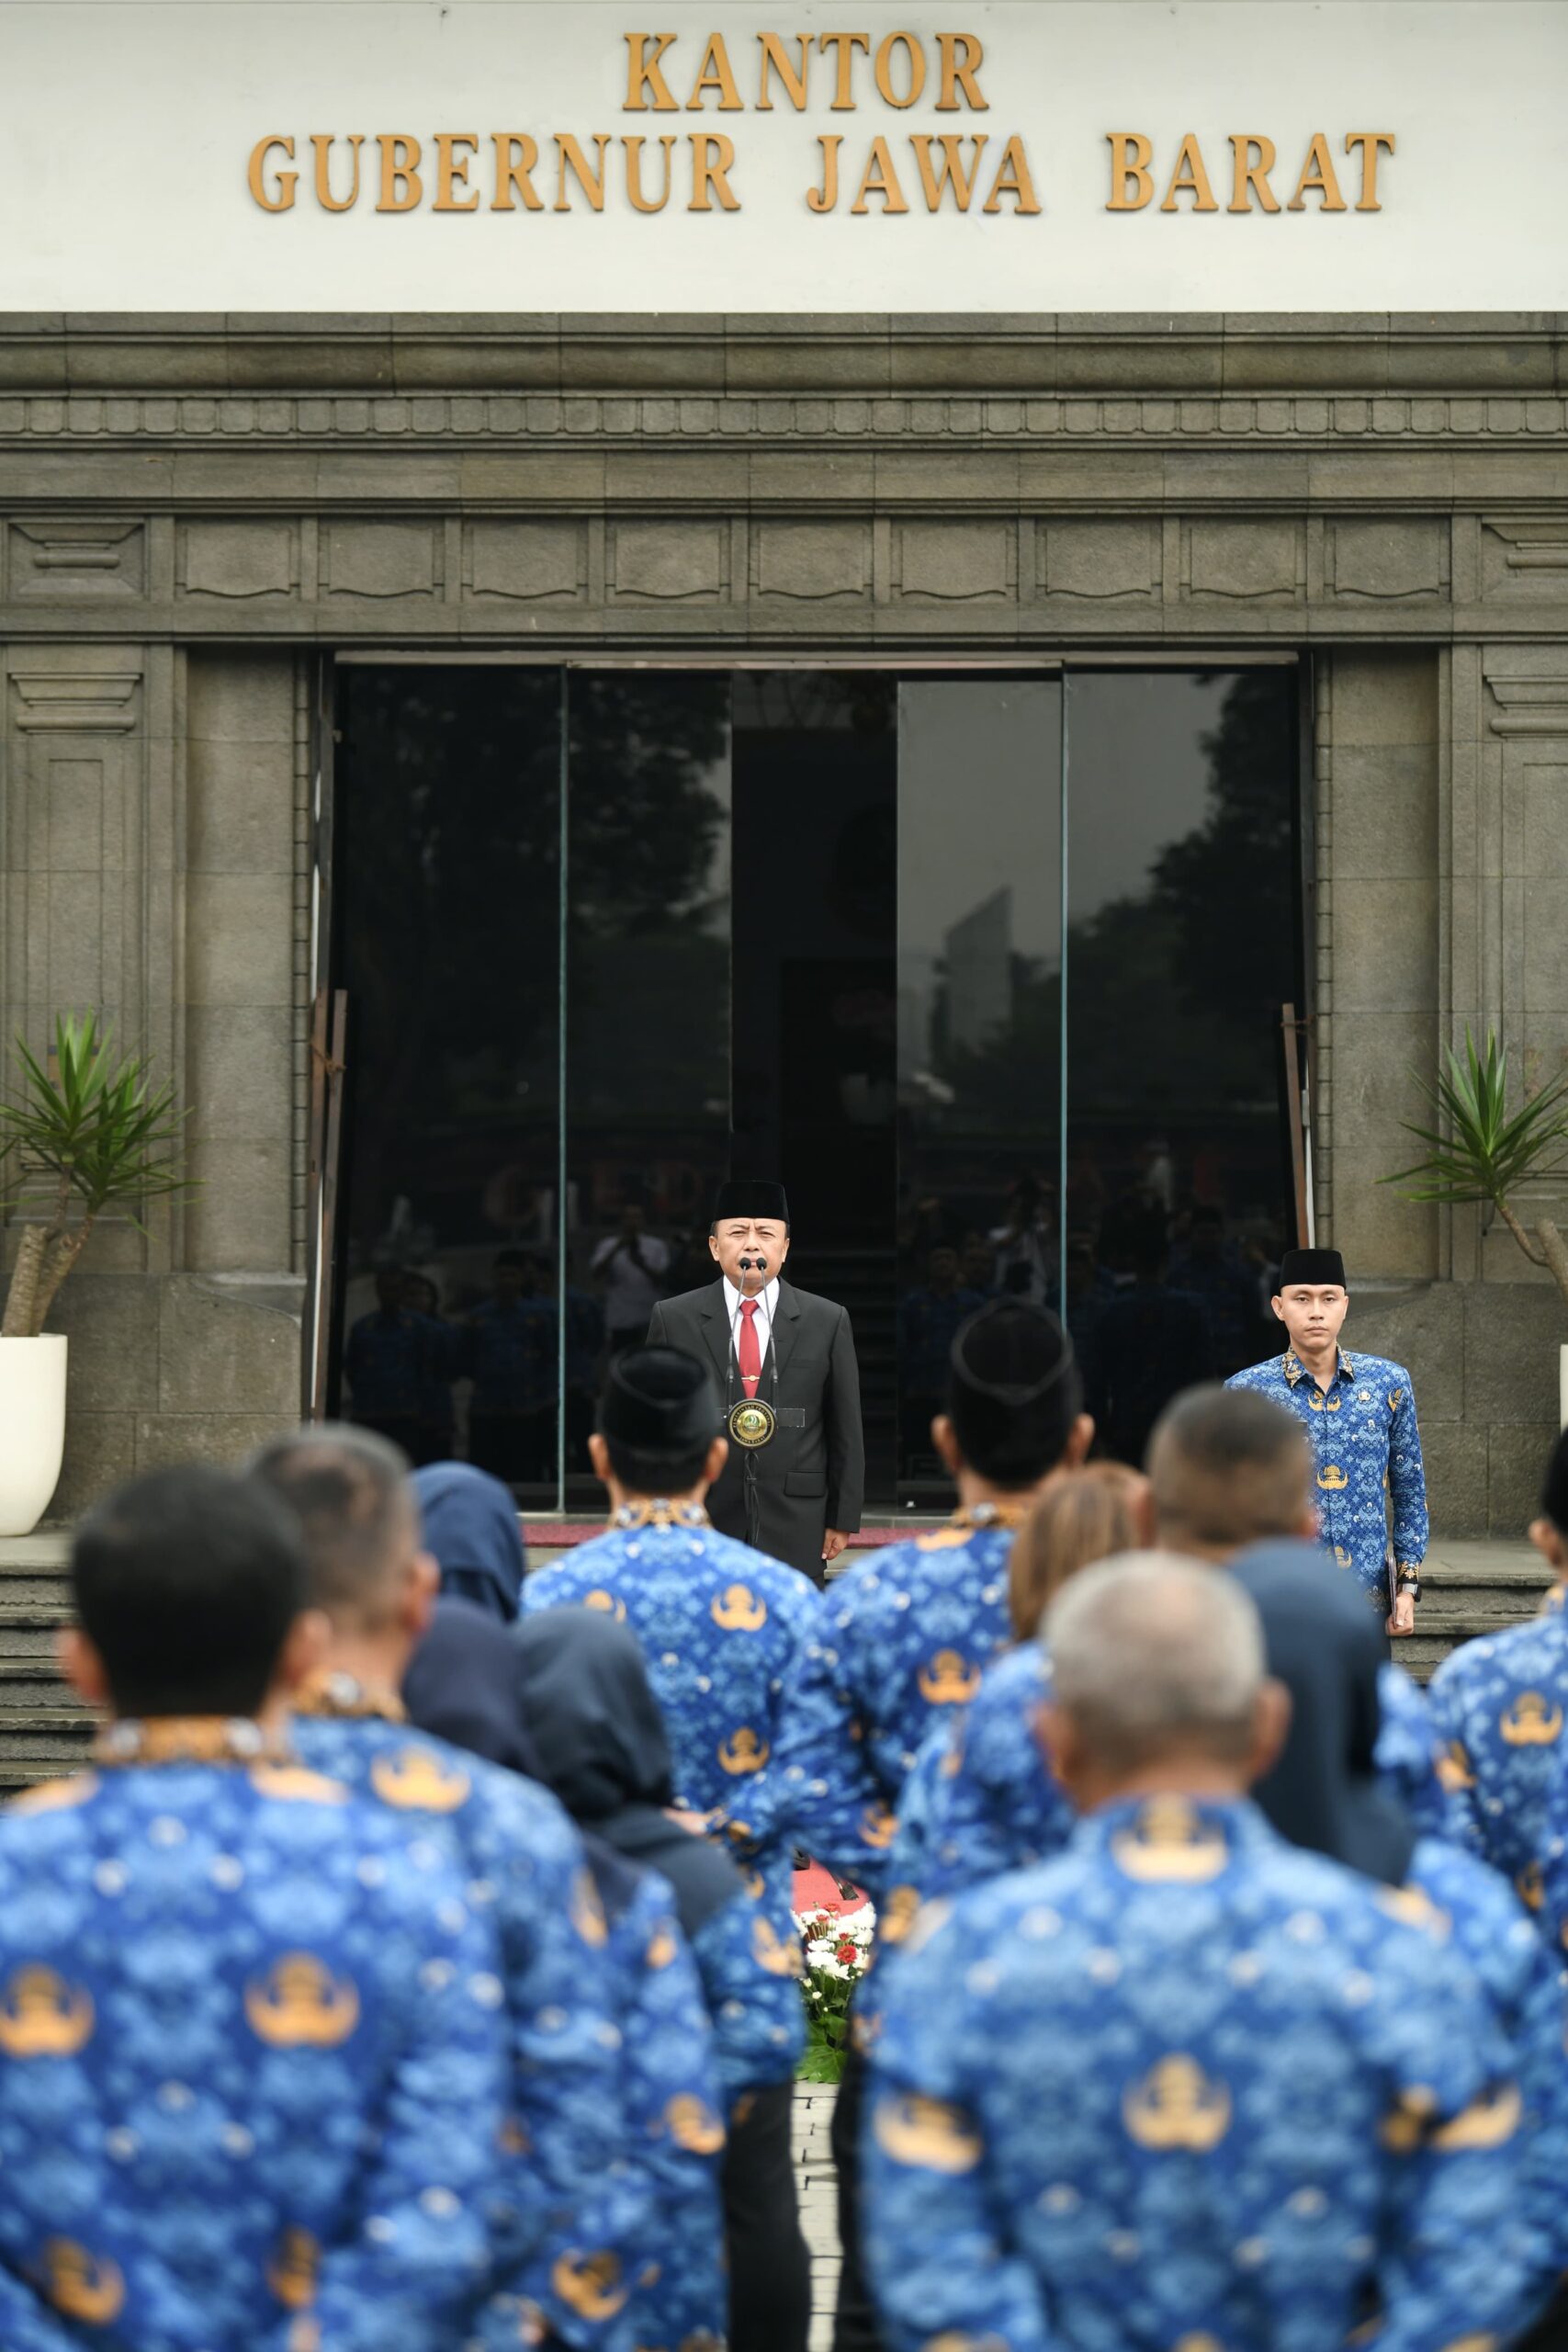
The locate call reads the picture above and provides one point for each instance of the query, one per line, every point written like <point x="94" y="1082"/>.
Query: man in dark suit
<point x="785" y="1364"/>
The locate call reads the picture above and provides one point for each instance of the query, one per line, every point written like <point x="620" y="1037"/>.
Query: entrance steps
<point x="1471" y="1587"/>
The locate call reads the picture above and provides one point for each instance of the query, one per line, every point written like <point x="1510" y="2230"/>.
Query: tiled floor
<point x="819" y="2210"/>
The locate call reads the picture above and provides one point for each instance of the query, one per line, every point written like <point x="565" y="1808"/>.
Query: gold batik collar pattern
<point x="190" y="1739"/>
<point x="337" y="1697"/>
<point x="992" y="1514"/>
<point x="1295" y="1371"/>
<point x="656" y="1511"/>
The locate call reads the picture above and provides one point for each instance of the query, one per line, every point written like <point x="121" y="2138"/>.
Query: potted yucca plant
<point x="1479" y="1151"/>
<point x="86" y="1133"/>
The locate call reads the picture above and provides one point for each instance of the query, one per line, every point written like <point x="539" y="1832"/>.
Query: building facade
<point x="217" y="532"/>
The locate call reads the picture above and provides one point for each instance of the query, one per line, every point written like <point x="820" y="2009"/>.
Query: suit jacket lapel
<point x="785" y="1326"/>
<point x="715" y="1331"/>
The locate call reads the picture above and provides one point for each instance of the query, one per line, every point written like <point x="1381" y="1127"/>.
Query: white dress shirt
<point x="767" y="1307"/>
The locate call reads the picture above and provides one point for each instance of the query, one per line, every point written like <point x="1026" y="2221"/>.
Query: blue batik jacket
<point x="569" y="2195"/>
<point x="902" y="1643"/>
<point x="1366" y="1455"/>
<point x="670" y="2114"/>
<point x="252" y="2066"/>
<point x="982" y="1798"/>
<point x="1498" y="1705"/>
<point x="724" y="1633"/>
<point x="1185" y="2085"/>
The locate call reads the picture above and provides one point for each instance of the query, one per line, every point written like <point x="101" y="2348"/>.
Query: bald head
<point x="1227" y="1469"/>
<point x="1157" y="1666"/>
<point x="349" y="1491"/>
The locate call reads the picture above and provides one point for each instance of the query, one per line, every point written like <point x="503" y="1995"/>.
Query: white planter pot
<point x="32" y="1427"/>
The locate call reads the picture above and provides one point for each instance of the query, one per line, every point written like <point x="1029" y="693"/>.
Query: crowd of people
<point x="414" y="1969"/>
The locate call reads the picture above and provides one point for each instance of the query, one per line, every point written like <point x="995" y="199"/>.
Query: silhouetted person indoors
<point x="1150" y="1341"/>
<point x="509" y="1352"/>
<point x="395" y="1361"/>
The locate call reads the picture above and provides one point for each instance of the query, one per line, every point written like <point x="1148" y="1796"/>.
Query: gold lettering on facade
<point x="1189" y="179"/>
<point x="714" y="74"/>
<point x="880" y="179"/>
<point x="775" y="62"/>
<point x="1317" y="175"/>
<point x="936" y="180"/>
<point x="845" y="44"/>
<point x="1132" y="182"/>
<point x="713" y="156"/>
<point x="322" y="143"/>
<point x="281" y="199"/>
<point x="1370" y="142"/>
<point x="643" y="73"/>
<point x="452" y="171"/>
<point x="1252" y="172"/>
<point x="913" y="70"/>
<point x="635" y="196"/>
<point x="515" y="156"/>
<point x="589" y="176"/>
<point x="962" y="58"/>
<point x="401" y="186"/>
<point x="824" y="198"/>
<point x="599" y="172"/>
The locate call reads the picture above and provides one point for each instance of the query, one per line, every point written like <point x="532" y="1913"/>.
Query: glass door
<point x="988" y="966"/>
<point x="1183" y="946"/>
<point x="980" y="1012"/>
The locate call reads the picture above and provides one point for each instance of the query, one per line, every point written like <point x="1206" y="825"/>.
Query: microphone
<point x="757" y="1265"/>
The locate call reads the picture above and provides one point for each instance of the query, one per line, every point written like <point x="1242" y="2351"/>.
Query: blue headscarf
<point x="1323" y="1644"/>
<point x="464" y="1683"/>
<point x="470" y="1525"/>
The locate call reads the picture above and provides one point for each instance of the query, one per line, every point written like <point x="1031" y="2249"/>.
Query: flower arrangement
<point x="835" y="1946"/>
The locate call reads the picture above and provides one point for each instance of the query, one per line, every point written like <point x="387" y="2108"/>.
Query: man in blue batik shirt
<point x="250" y="2065"/>
<point x="1186" y="2085"/>
<point x="571" y="2195"/>
<point x="908" y="1633"/>
<point x="1359" y="1416"/>
<point x="724" y="1633"/>
<point x="1499" y="1706"/>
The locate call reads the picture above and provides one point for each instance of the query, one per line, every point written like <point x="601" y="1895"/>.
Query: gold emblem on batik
<point x="299" y="2004"/>
<point x="43" y="2016"/>
<point x="1177" y="2106"/>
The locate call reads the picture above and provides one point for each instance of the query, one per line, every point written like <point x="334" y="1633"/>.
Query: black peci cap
<point x="1314" y="1267"/>
<point x="659" y="1401"/>
<point x="1013" y="1391"/>
<point x="1010" y="1351"/>
<point x="750" y="1196"/>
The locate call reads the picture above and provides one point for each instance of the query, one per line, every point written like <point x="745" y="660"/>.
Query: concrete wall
<point x="192" y="509"/>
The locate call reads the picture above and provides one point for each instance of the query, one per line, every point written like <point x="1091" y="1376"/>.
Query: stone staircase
<point x="1471" y="1587"/>
<point x="44" y="1728"/>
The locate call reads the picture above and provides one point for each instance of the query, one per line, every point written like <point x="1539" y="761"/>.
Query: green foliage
<point x="106" y="1135"/>
<point x="1479" y="1152"/>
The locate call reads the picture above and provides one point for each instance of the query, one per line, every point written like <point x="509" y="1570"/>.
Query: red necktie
<point x="748" y="1354"/>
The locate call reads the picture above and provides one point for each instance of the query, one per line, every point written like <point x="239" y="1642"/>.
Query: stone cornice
<point x="196" y="420"/>
<point x="1039" y="354"/>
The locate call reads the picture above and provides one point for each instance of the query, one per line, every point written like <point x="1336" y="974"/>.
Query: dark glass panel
<point x="980" y="1022"/>
<point x="446" y="802"/>
<point x="815" y="870"/>
<point x="1182" y="947"/>
<point x="647" y="1009"/>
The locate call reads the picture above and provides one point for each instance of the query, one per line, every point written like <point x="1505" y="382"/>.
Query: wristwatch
<point x="1410" y="1579"/>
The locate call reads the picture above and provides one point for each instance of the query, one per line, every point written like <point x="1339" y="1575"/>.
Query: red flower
<point x="847" y="1953"/>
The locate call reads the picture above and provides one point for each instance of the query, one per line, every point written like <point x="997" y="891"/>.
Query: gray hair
<point x="1151" y="1652"/>
<point x="349" y="1490"/>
